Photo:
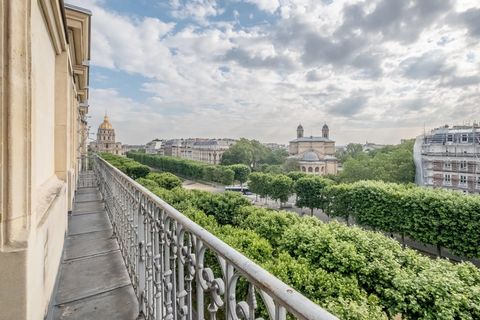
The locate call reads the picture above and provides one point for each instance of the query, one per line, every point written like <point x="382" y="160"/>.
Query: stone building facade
<point x="106" y="139"/>
<point x="44" y="75"/>
<point x="315" y="155"/>
<point x="198" y="149"/>
<point x="449" y="157"/>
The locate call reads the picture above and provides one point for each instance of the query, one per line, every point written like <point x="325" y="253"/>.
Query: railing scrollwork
<point x="180" y="271"/>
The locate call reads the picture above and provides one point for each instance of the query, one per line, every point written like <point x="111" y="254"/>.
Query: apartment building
<point x="449" y="157"/>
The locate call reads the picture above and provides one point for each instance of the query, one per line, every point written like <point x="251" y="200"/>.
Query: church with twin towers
<point x="315" y="154"/>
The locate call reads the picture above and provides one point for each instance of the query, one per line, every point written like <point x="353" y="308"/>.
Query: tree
<point x="275" y="156"/>
<point x="281" y="187"/>
<point x="295" y="175"/>
<point x="311" y="192"/>
<point x="252" y="153"/>
<point x="291" y="164"/>
<point x="260" y="183"/>
<point x="389" y="164"/>
<point x="165" y="180"/>
<point x="350" y="151"/>
<point x="239" y="153"/>
<point x="241" y="172"/>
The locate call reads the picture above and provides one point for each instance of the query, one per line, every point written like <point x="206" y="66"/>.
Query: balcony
<point x="130" y="255"/>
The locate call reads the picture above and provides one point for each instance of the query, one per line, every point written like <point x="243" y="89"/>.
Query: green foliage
<point x="270" y="168"/>
<point x="186" y="168"/>
<point x="252" y="153"/>
<point x="335" y="292"/>
<point x="433" y="216"/>
<point x="390" y="164"/>
<point x="131" y="168"/>
<point x="281" y="187"/>
<point x="267" y="223"/>
<point x="291" y="165"/>
<point x="405" y="282"/>
<point x="260" y="183"/>
<point x="147" y="183"/>
<point x="223" y="206"/>
<point x="295" y="175"/>
<point x="355" y="274"/>
<point x="352" y="150"/>
<point x="241" y="172"/>
<point x="165" y="180"/>
<point x="311" y="192"/>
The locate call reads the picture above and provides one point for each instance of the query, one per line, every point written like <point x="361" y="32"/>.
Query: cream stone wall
<point x="39" y="145"/>
<point x="43" y="99"/>
<point x="320" y="146"/>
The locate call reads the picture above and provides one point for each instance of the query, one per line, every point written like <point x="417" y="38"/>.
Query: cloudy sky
<point x="376" y="70"/>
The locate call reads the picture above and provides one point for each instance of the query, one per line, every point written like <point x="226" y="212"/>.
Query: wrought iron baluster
<point x="165" y="256"/>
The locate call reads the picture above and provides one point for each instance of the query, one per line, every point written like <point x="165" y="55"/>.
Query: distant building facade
<point x="449" y="157"/>
<point x="275" y="146"/>
<point x="315" y="155"/>
<point x="154" y="146"/>
<point x="132" y="147"/>
<point x="106" y="139"/>
<point x="198" y="149"/>
<point x="370" y="146"/>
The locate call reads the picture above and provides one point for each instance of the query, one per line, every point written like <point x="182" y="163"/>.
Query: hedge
<point x="186" y="168"/>
<point x="434" y="216"/>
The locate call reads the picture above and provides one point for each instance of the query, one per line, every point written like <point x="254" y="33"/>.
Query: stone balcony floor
<point x="93" y="282"/>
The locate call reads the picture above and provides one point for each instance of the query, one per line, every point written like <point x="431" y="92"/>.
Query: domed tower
<point x="106" y="133"/>
<point x="325" y="131"/>
<point x="299" y="131"/>
<point x="106" y="139"/>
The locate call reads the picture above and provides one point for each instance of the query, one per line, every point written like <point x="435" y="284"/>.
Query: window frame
<point x="447" y="179"/>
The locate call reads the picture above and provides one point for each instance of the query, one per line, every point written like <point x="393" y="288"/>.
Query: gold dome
<point x="106" y="124"/>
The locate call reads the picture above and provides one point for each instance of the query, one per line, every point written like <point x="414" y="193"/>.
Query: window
<point x="447" y="164"/>
<point x="478" y="182"/>
<point x="463" y="164"/>
<point x="463" y="179"/>
<point x="450" y="138"/>
<point x="464" y="137"/>
<point x="447" y="179"/>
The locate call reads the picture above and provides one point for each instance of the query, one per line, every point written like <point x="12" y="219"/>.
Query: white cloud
<point x="224" y="79"/>
<point x="266" y="5"/>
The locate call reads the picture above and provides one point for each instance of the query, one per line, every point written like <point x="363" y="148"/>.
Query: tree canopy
<point x="311" y="192"/>
<point x="252" y="153"/>
<point x="389" y="164"/>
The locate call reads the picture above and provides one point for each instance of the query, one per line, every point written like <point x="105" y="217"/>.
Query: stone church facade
<point x="315" y="155"/>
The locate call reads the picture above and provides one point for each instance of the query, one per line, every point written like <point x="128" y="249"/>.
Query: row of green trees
<point x="128" y="166"/>
<point x="442" y="218"/>
<point x="194" y="169"/>
<point x="307" y="188"/>
<point x="438" y="217"/>
<point x="353" y="273"/>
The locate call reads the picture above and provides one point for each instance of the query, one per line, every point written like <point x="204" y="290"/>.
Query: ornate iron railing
<point x="181" y="271"/>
